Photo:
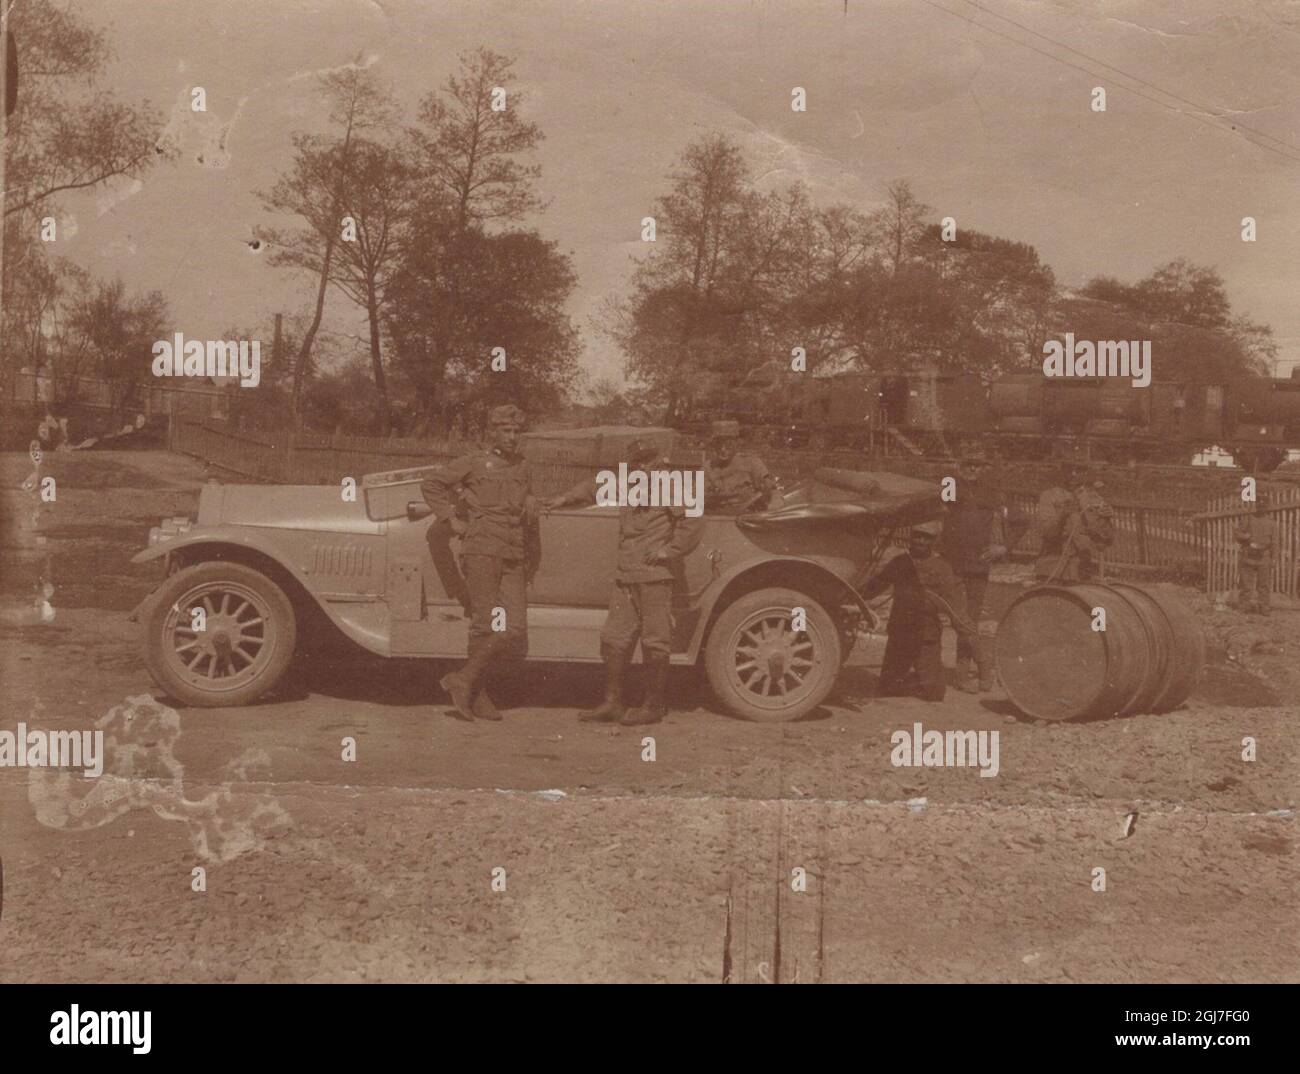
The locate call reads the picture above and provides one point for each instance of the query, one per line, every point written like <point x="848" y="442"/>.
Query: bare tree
<point x="469" y="139"/>
<point x="314" y="188"/>
<point x="68" y="133"/>
<point x="900" y="223"/>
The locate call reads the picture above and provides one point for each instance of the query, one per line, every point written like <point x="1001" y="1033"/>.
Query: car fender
<point x="706" y="606"/>
<point x="361" y="617"/>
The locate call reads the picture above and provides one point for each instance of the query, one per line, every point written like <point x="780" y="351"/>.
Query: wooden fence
<point x="198" y="401"/>
<point x="1146" y="536"/>
<point x="282" y="457"/>
<point x="1221" y="549"/>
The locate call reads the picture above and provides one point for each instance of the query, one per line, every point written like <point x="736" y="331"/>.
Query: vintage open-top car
<point x="258" y="558"/>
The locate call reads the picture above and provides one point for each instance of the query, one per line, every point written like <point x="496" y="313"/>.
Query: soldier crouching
<point x="915" y="630"/>
<point x="651" y="544"/>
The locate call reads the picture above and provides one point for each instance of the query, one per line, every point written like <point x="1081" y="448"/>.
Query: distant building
<point x="1214" y="456"/>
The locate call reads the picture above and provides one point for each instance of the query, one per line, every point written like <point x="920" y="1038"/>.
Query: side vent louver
<point x="341" y="560"/>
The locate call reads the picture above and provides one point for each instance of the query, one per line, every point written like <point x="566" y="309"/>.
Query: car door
<point x="579" y="552"/>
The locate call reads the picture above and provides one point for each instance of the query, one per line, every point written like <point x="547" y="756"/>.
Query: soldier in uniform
<point x="1077" y="525"/>
<point x="486" y="499"/>
<point x="915" y="630"/>
<point x="974" y="537"/>
<point x="1256" y="535"/>
<point x="651" y="544"/>
<point x="734" y="482"/>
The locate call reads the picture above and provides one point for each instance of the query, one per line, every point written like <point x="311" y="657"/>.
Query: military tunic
<point x="1076" y="527"/>
<point x="499" y="542"/>
<point x="1256" y="537"/>
<point x="974" y="533"/>
<point x="743" y="484"/>
<point x="915" y="631"/>
<point x="640" y="604"/>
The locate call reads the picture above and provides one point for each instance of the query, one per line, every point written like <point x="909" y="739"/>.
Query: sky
<point x="988" y="131"/>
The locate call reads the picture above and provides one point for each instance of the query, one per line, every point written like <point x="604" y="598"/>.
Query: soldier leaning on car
<point x="651" y="544"/>
<point x="915" y="631"/>
<point x="499" y="549"/>
<point x="974" y="537"/>
<point x="736" y="482"/>
<point x="1256" y="534"/>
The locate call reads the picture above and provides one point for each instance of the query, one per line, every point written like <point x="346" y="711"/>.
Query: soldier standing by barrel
<point x="974" y="537"/>
<point x="499" y="535"/>
<point x="1256" y="535"/>
<point x="735" y="482"/>
<point x="651" y="544"/>
<point x="915" y="630"/>
<point x="1076" y="527"/>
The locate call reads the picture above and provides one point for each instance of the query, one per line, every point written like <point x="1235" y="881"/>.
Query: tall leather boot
<point x="611" y="709"/>
<point x="966" y="675"/>
<point x="656" y="683"/>
<point x="461" y="684"/>
<point x="985" y="662"/>
<point x="483" y="705"/>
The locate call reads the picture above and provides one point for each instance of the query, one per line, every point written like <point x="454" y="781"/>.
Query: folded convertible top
<point x="852" y="496"/>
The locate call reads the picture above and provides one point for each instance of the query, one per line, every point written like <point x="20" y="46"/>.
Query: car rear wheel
<point x="245" y="643"/>
<point x="761" y="668"/>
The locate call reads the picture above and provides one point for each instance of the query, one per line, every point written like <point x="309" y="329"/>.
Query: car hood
<point x="292" y="507"/>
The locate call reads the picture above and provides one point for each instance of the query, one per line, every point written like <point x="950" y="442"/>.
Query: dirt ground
<point x="614" y="868"/>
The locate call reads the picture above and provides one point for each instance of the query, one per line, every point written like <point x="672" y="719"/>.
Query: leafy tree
<point x="470" y="278"/>
<point x="710" y="304"/>
<point x="119" y="332"/>
<point x="38" y="324"/>
<point x="67" y="133"/>
<point x="1184" y="293"/>
<point x="1185" y="310"/>
<point x="458" y="295"/>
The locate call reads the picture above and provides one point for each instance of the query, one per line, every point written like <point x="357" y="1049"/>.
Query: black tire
<point x="754" y="692"/>
<point x="226" y="670"/>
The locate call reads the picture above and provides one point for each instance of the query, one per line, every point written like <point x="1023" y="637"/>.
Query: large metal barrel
<point x="1055" y="666"/>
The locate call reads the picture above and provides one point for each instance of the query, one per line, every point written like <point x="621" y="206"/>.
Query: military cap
<point x="931" y="529"/>
<point x="506" y="414"/>
<point x="725" y="430"/>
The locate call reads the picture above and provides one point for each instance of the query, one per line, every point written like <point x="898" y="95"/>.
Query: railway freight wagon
<point x="1267" y="411"/>
<point x="925" y="409"/>
<point x="1030" y="414"/>
<point x="1027" y="415"/>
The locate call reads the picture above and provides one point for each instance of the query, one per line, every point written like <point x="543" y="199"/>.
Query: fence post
<point x="1142" y="534"/>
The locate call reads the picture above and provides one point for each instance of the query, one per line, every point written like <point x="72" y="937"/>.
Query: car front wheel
<point x="761" y="668"/>
<point x="233" y="652"/>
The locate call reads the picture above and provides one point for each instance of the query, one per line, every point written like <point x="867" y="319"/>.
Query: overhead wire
<point x="1237" y="128"/>
<point x="1218" y="114"/>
